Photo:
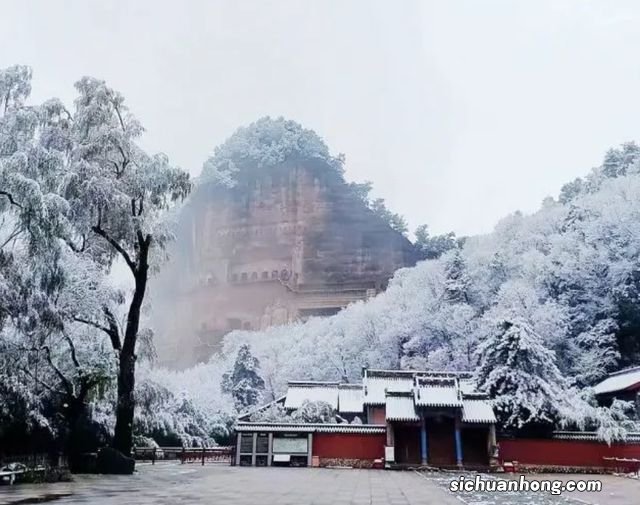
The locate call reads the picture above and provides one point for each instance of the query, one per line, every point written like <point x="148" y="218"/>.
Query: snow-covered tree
<point x="432" y="247"/>
<point x="519" y="373"/>
<point x="396" y="221"/>
<point x="264" y="144"/>
<point x="78" y="184"/>
<point x="117" y="194"/>
<point x="244" y="383"/>
<point x="314" y="412"/>
<point x="457" y="281"/>
<point x="273" y="413"/>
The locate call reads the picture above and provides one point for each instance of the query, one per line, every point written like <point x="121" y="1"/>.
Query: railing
<point x="631" y="437"/>
<point x="623" y="465"/>
<point x="16" y="467"/>
<point x="200" y="455"/>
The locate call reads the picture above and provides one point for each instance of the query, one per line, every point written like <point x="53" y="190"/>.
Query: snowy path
<point x="169" y="483"/>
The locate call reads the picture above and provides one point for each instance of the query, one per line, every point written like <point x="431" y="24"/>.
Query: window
<point x="246" y="443"/>
<point x="265" y="275"/>
<point x="262" y="443"/>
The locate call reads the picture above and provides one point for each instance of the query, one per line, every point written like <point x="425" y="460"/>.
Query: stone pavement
<point x="615" y="490"/>
<point x="171" y="483"/>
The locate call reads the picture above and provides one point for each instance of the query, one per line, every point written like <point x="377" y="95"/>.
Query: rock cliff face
<point x="284" y="244"/>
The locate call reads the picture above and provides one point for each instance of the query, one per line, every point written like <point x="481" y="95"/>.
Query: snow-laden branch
<point x="99" y="231"/>
<point x="111" y="330"/>
<point x="12" y="201"/>
<point x="65" y="382"/>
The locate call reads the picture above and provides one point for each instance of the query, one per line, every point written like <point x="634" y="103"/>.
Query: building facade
<point x="405" y="418"/>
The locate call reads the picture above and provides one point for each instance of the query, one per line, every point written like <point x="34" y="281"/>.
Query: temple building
<point x="393" y="418"/>
<point x="621" y="385"/>
<point x="288" y="243"/>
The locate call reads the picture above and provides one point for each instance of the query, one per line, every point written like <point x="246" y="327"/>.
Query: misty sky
<point x="460" y="112"/>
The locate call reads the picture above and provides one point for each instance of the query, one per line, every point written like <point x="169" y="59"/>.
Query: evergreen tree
<point x="244" y="382"/>
<point x="519" y="373"/>
<point x="617" y="162"/>
<point x="396" y="221"/>
<point x="457" y="281"/>
<point x="432" y="247"/>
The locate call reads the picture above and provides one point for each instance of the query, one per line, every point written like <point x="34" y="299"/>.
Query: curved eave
<point x="479" y="421"/>
<point x="312" y="428"/>
<point x="439" y="404"/>
<point x="403" y="419"/>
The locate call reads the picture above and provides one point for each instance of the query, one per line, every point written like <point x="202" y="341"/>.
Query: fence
<point x="29" y="467"/>
<point x="200" y="455"/>
<point x="35" y="460"/>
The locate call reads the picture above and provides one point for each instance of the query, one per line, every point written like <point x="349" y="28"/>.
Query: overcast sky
<point x="460" y="112"/>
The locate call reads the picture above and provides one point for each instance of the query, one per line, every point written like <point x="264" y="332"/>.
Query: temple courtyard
<point x="172" y="483"/>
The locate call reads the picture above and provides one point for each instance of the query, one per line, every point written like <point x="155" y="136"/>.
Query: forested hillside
<point x="541" y="308"/>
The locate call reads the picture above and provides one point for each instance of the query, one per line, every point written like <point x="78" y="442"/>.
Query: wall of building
<point x="353" y="449"/>
<point x="376" y="415"/>
<point x="567" y="453"/>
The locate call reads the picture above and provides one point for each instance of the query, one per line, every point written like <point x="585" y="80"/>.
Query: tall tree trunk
<point x="75" y="416"/>
<point x="123" y="439"/>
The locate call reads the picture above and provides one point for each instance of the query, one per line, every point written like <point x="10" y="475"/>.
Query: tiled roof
<point x="350" y="398"/>
<point x="437" y="391"/>
<point x="403" y="393"/>
<point x="312" y="428"/>
<point x="400" y="407"/>
<point x="618" y="381"/>
<point x="299" y="392"/>
<point x="375" y="387"/>
<point x="477" y="411"/>
<point x="438" y="396"/>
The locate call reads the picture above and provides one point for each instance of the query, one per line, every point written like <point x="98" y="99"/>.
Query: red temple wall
<point x="348" y="445"/>
<point x="577" y="453"/>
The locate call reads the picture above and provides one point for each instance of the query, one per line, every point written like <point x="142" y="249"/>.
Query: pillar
<point x="492" y="443"/>
<point x="389" y="451"/>
<point x="492" y="437"/>
<point x="237" y="450"/>
<point x="310" y="449"/>
<point x="390" y="437"/>
<point x="458" y="443"/>
<point x="270" y="449"/>
<point x="253" y="449"/>
<point x="423" y="440"/>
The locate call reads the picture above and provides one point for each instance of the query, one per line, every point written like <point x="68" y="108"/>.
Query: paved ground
<point x="169" y="483"/>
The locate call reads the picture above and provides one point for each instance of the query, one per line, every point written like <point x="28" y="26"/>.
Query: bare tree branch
<point x="11" y="199"/>
<point x="111" y="330"/>
<point x="42" y="383"/>
<point x="91" y="323"/>
<point x="114" y="331"/>
<point x="74" y="356"/>
<point x="17" y="230"/>
<point x="98" y="230"/>
<point x="74" y="247"/>
<point x="66" y="383"/>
